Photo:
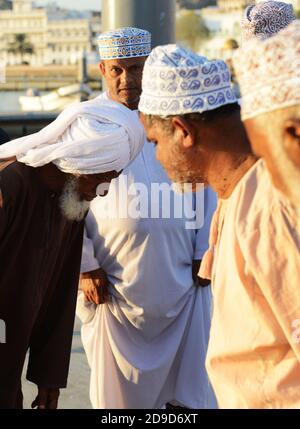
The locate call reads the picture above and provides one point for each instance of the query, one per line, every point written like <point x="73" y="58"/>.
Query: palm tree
<point x="21" y="45"/>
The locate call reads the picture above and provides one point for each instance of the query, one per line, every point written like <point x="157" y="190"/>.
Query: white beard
<point x="70" y="204"/>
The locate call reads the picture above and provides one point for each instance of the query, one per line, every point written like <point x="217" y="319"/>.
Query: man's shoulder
<point x="14" y="169"/>
<point x="263" y="213"/>
<point x="256" y="192"/>
<point x="15" y="177"/>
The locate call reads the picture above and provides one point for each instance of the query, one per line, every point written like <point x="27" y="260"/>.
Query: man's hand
<point x="47" y="399"/>
<point x="94" y="285"/>
<point x="198" y="280"/>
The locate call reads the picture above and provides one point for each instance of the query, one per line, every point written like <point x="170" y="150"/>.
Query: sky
<point x="73" y="4"/>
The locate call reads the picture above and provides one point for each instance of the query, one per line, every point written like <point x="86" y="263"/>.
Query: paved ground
<point x="76" y="396"/>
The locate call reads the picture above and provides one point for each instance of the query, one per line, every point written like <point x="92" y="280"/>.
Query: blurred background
<point x="48" y="50"/>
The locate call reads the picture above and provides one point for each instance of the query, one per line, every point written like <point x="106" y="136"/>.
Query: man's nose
<point x="126" y="77"/>
<point x="103" y="188"/>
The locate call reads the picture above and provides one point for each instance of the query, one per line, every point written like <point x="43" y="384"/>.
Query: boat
<point x="56" y="100"/>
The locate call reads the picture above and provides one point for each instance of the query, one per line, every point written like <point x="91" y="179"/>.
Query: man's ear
<point x="102" y="68"/>
<point x="185" y="131"/>
<point x="291" y="140"/>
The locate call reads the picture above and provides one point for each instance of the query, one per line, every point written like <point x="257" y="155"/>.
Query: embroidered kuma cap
<point x="265" y="19"/>
<point x="177" y="81"/>
<point x="127" y="42"/>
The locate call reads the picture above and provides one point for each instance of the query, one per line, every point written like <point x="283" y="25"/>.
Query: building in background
<point x="96" y="29"/>
<point x="52" y="35"/>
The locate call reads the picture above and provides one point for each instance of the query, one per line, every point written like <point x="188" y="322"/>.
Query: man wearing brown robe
<point x="44" y="197"/>
<point x="40" y="253"/>
<point x="40" y="256"/>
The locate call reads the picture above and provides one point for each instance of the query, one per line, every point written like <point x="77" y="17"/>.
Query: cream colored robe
<point x="253" y="357"/>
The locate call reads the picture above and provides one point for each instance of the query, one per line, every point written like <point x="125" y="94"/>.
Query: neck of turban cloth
<point x="110" y="139"/>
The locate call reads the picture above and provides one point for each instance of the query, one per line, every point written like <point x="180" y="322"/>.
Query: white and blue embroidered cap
<point x="127" y="42"/>
<point x="177" y="81"/>
<point x="265" y="19"/>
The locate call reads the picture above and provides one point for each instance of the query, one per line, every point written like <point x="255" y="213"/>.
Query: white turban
<point x="111" y="137"/>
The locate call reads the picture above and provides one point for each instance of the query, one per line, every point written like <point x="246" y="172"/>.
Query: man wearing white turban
<point x="46" y="182"/>
<point x="146" y="346"/>
<point x="188" y="108"/>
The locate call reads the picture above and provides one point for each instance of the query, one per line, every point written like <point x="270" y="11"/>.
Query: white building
<point x="57" y="36"/>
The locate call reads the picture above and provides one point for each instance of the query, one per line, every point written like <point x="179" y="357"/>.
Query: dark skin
<point x="94" y="285"/>
<point x="54" y="179"/>
<point x="199" y="281"/>
<point x="47" y="399"/>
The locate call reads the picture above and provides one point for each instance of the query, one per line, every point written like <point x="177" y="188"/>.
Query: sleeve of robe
<point x="3" y="214"/>
<point x="89" y="261"/>
<point x="6" y="210"/>
<point x="50" y="345"/>
<point x="202" y="235"/>
<point x="272" y="247"/>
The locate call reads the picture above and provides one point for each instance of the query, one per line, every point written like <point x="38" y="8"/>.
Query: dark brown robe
<point x="40" y="254"/>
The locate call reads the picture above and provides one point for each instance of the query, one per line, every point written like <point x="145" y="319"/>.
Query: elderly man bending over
<point x="44" y="196"/>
